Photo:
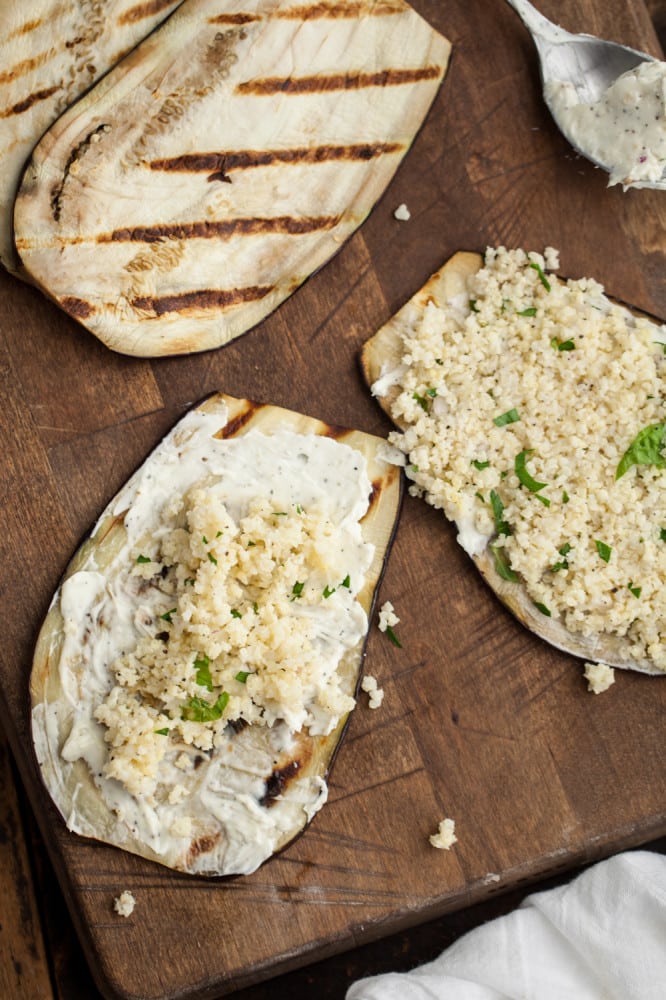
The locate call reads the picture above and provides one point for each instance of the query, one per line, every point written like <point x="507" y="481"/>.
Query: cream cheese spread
<point x="170" y="738"/>
<point x="625" y="130"/>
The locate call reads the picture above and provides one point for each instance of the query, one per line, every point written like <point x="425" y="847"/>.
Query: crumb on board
<point x="402" y="213"/>
<point x="387" y="617"/>
<point x="599" y="677"/>
<point x="374" y="692"/>
<point x="445" y="837"/>
<point x="124" y="903"/>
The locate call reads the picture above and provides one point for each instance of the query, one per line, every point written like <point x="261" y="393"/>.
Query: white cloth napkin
<point x="600" y="937"/>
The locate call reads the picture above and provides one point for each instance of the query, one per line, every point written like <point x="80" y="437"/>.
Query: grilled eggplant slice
<point x="51" y="52"/>
<point x="211" y="761"/>
<point x="386" y="359"/>
<point x="221" y="163"/>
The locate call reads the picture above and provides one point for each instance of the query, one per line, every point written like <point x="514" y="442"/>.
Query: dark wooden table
<point x="40" y="953"/>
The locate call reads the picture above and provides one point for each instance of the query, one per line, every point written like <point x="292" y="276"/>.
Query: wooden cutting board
<point x="480" y="721"/>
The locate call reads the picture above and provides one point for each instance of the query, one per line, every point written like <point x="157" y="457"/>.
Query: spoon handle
<point x="538" y="25"/>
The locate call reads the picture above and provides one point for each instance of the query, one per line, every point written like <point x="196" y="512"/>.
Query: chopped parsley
<point x="524" y="477"/>
<point x="662" y="534"/>
<point x="329" y="590"/>
<point x="242" y="676"/>
<point x="202" y="667"/>
<point x="562" y="345"/>
<point x="510" y="417"/>
<point x="479" y="465"/>
<point x="200" y="710"/>
<point x="473" y="306"/>
<point x="393" y="637"/>
<point x="211" y="558"/>
<point x="297" y="589"/>
<point x="346" y="582"/>
<point x="530" y="311"/>
<point x="235" y="613"/>
<point x="636" y="591"/>
<point x="563" y="563"/>
<point x="143" y="559"/>
<point x="502" y="565"/>
<point x="603" y="550"/>
<point x="162" y="732"/>
<point x="542" y="277"/>
<point x="502" y="527"/>
<point x="167" y="615"/>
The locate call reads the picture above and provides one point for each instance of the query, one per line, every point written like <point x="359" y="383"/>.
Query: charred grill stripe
<point x="341" y="10"/>
<point x="321" y="83"/>
<point x="28" y="102"/>
<point x="78" y="308"/>
<point x="218" y="165"/>
<point x="24" y="67"/>
<point x="277" y="782"/>
<point x="221" y="229"/>
<point x="25" y="29"/>
<point x="235" y="426"/>
<point x="204" y="298"/>
<point x="144" y="10"/>
<point x="234" y="18"/>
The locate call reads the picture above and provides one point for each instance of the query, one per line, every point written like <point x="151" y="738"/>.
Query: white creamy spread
<point x="183" y="634"/>
<point x="625" y="130"/>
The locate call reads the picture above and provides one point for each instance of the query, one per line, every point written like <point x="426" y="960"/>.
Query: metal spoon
<point x="590" y="64"/>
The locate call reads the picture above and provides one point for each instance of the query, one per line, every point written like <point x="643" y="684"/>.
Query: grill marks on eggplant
<point x="50" y="52"/>
<point x="321" y="83"/>
<point x="219" y="165"/>
<point x="186" y="187"/>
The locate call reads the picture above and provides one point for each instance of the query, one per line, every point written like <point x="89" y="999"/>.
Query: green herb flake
<point x="636" y="591"/>
<point x="565" y="497"/>
<point x="542" y="608"/>
<point x="189" y="581"/>
<point x="510" y="417"/>
<point x="473" y="306"/>
<point x="422" y="401"/>
<point x="502" y="527"/>
<point x="479" y="465"/>
<point x="645" y="449"/>
<point x="524" y="477"/>
<point x="502" y="566"/>
<point x="431" y="392"/>
<point x="564" y="551"/>
<point x="204" y="540"/>
<point x="297" y="589"/>
<point x="202" y="667"/>
<point x="346" y="582"/>
<point x="662" y="534"/>
<point x="530" y="311"/>
<point x="235" y="613"/>
<point x="542" y="277"/>
<point x="166" y="617"/>
<point x="251" y="544"/>
<point x="242" y="676"/>
<point x="143" y="559"/>
<point x="603" y="550"/>
<point x="162" y="732"/>
<point x="562" y="345"/>
<point x="211" y="558"/>
<point x="480" y="496"/>
<point x="393" y="637"/>
<point x="200" y="710"/>
<point x="329" y="590"/>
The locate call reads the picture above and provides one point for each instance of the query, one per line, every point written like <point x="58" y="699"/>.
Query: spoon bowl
<point x="588" y="64"/>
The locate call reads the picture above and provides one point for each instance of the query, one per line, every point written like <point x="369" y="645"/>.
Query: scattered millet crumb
<point x="402" y="213"/>
<point x="445" y="838"/>
<point x="599" y="677"/>
<point x="124" y="903"/>
<point x="375" y="693"/>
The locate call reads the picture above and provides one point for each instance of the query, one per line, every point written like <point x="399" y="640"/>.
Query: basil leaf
<point x="562" y="345"/>
<point x="636" y="591"/>
<point x="143" y="559"/>
<point x="542" y="608"/>
<point x="510" y="417"/>
<point x="162" y="732"/>
<point x="167" y="615"/>
<point x="530" y="311"/>
<point x="329" y="590"/>
<point x="242" y="676"/>
<point x="297" y="589"/>
<point x="520" y="468"/>
<point x="645" y="449"/>
<point x="479" y="465"/>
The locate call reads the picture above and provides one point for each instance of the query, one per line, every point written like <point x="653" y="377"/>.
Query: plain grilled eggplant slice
<point x="249" y="795"/>
<point x="383" y="365"/>
<point x="51" y="52"/>
<point x="221" y="163"/>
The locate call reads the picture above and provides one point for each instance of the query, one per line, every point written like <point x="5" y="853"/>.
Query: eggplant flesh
<point x="221" y="163"/>
<point x="51" y="53"/>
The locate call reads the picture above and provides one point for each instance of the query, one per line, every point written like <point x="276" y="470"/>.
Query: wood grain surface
<point x="480" y="721"/>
